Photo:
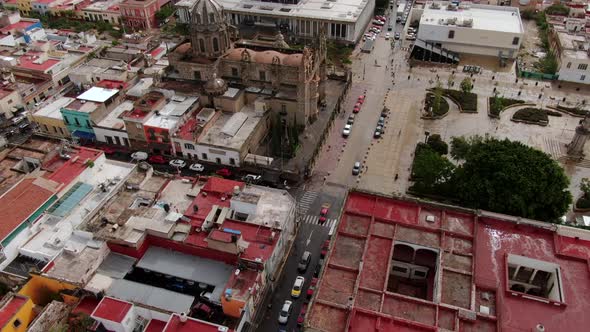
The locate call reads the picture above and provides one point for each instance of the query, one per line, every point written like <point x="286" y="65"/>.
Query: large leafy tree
<point x="511" y="178"/>
<point x="431" y="172"/>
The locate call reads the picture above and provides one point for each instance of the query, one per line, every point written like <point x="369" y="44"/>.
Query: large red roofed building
<point x="400" y="265"/>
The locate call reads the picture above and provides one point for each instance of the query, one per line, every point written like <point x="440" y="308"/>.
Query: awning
<point x="84" y="135"/>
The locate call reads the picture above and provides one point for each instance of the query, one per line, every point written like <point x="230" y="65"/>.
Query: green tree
<point x="459" y="147"/>
<point x="164" y="13"/>
<point x="466" y="85"/>
<point x="436" y="143"/>
<point x="512" y="178"/>
<point x="585" y="186"/>
<point x="431" y="172"/>
<point x="558" y="9"/>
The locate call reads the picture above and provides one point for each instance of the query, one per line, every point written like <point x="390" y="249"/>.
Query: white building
<point x="111" y="129"/>
<point x="573" y="55"/>
<point x="107" y="11"/>
<point x="472" y="29"/>
<point x="343" y="20"/>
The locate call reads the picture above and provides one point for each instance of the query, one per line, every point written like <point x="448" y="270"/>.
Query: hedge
<point x="531" y="114"/>
<point x="467" y="100"/>
<point x="506" y="102"/>
<point x="573" y="110"/>
<point x="444" y="105"/>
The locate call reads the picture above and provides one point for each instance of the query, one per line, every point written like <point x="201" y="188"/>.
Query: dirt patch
<point x="531" y="44"/>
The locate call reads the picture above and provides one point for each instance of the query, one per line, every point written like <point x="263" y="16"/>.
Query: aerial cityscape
<point x="294" y="165"/>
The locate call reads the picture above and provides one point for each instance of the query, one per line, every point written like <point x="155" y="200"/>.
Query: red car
<point x="108" y="150"/>
<point x="157" y="159"/>
<point x="224" y="172"/>
<point x="325" y="248"/>
<point x="323" y="213"/>
<point x="356" y="108"/>
<point x="361" y="99"/>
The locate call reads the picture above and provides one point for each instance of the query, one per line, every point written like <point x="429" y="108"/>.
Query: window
<point x="88" y="125"/>
<point x="215" y="45"/>
<point x="204" y="156"/>
<point x="109" y="139"/>
<point x="125" y="142"/>
<point x="583" y="66"/>
<point x="534" y="277"/>
<point x="262" y="75"/>
<point x="218" y="160"/>
<point x="16" y="323"/>
<point x="211" y="18"/>
<point x="202" y="45"/>
<point x="232" y="161"/>
<point x="234" y="72"/>
<point x="515" y="41"/>
<point x="55" y="129"/>
<point x="117" y="140"/>
<point x="197" y="75"/>
<point x="451" y="34"/>
<point x="189" y="146"/>
<point x="138" y="125"/>
<point x="569" y="64"/>
<point x="66" y="120"/>
<point x="77" y="122"/>
<point x="61" y="131"/>
<point x="45" y="128"/>
<point x="582" y="78"/>
<point x="283" y="109"/>
<point x="9" y="101"/>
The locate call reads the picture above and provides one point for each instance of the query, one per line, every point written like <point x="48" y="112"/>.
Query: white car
<point x="285" y="312"/>
<point x="251" y="178"/>
<point x="346" y="130"/>
<point x="196" y="167"/>
<point x="387" y="35"/>
<point x="139" y="156"/>
<point x="178" y="163"/>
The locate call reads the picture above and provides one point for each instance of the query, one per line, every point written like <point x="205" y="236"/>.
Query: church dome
<point x="215" y="86"/>
<point x="207" y="12"/>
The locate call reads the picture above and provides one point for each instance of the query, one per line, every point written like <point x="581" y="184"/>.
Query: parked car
<point x="24" y="126"/>
<point x="285" y="312"/>
<point x="384" y="112"/>
<point x="178" y="163"/>
<point x="397" y="36"/>
<point x="361" y="99"/>
<point x="157" y="159"/>
<point x="139" y="156"/>
<point x="324" y="251"/>
<point x="350" y="120"/>
<point x="356" y="168"/>
<point x="356" y="108"/>
<point x="381" y="121"/>
<point x="304" y="261"/>
<point x="297" y="286"/>
<point x="377" y="133"/>
<point x="196" y="167"/>
<point x="251" y="178"/>
<point x="324" y="212"/>
<point x="346" y="130"/>
<point x="224" y="172"/>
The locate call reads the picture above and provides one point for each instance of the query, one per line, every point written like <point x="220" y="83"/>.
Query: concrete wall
<point x="573" y="74"/>
<point x="101" y="134"/>
<point x="213" y="152"/>
<point x="472" y="41"/>
<point x="9" y="103"/>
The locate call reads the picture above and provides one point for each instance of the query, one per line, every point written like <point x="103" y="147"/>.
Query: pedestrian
<point x="396" y="176"/>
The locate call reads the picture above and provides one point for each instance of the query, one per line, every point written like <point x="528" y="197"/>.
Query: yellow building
<point x="16" y="312"/>
<point x="24" y="7"/>
<point x="49" y="119"/>
<point x="42" y="290"/>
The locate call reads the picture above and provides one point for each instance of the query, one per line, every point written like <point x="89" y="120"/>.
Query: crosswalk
<point x="306" y="200"/>
<point x="315" y="220"/>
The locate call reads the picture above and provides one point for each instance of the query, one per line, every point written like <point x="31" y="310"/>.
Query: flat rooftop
<point x="191" y="325"/>
<point x="574" y="46"/>
<point x="114" y="119"/>
<point x="53" y="110"/>
<point x="161" y="121"/>
<point x="338" y="11"/>
<point x="469" y="260"/>
<point x="484" y="17"/>
<point x="231" y="130"/>
<point x="150" y="296"/>
<point x="97" y="94"/>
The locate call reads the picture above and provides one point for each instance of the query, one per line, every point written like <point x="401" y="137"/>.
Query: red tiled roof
<point x="27" y="61"/>
<point x="470" y="274"/>
<point x="111" y="309"/>
<point x="70" y="169"/>
<point x="155" y="326"/>
<point x="191" y="325"/>
<point x="186" y="130"/>
<point x="110" y="84"/>
<point x="20" y="25"/>
<point x="221" y="186"/>
<point x="20" y="202"/>
<point x="86" y="305"/>
<point x="10" y="309"/>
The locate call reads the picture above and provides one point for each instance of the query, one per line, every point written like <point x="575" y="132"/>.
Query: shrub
<point x="553" y="113"/>
<point x="573" y="110"/>
<point x="531" y="114"/>
<point x="467" y="100"/>
<point x="498" y="103"/>
<point x="583" y="203"/>
<point x="442" y="109"/>
<point x="436" y="143"/>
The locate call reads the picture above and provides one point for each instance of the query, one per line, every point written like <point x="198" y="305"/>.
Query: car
<point x="381" y="121"/>
<point x="361" y="99"/>
<point x="304" y="261"/>
<point x="297" y="287"/>
<point x="323" y="252"/>
<point x="356" y="168"/>
<point x="397" y="36"/>
<point x="224" y="172"/>
<point x="324" y="213"/>
<point x="384" y="112"/>
<point x="356" y="108"/>
<point x="377" y="133"/>
<point x="157" y="159"/>
<point x="346" y="130"/>
<point x="350" y="120"/>
<point x="24" y="126"/>
<point x="178" y="163"/>
<point x="390" y="28"/>
<point x="139" y="156"/>
<point x="250" y="178"/>
<point x="196" y="167"/>
<point x="285" y="312"/>
<point x="202" y="310"/>
<point x="387" y="35"/>
<point x="317" y="271"/>
<point x="411" y="37"/>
